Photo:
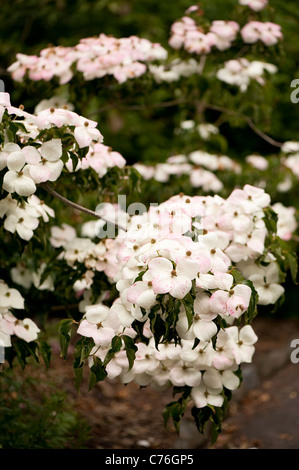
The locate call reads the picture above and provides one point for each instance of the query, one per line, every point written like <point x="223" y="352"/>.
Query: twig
<point x="137" y="107"/>
<point x="249" y="121"/>
<point x="77" y="206"/>
<point x="262" y="134"/>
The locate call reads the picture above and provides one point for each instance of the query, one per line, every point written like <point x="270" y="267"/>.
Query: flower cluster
<point x="268" y="33"/>
<point x="180" y="294"/>
<point x="23" y="218"/>
<point x="187" y="34"/>
<point x="291" y="157"/>
<point x="240" y="72"/>
<point x="24" y="329"/>
<point x="95" y="57"/>
<point x="96" y="257"/>
<point x="32" y="156"/>
<point x="255" y="5"/>
<point x="175" y="70"/>
<point x="198" y="166"/>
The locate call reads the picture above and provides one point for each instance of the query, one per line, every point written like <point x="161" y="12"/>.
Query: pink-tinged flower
<point x="175" y="281"/>
<point x="234" y="303"/>
<point x="241" y="342"/>
<point x="269" y="33"/>
<point x="225" y="33"/>
<point x="142" y="294"/>
<point x="26" y="329"/>
<point x="198" y="42"/>
<point x="191" y="9"/>
<point x="93" y="325"/>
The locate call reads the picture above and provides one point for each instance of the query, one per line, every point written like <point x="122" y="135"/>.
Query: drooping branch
<point x="66" y="201"/>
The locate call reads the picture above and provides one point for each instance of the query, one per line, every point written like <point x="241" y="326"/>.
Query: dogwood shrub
<point x="166" y="297"/>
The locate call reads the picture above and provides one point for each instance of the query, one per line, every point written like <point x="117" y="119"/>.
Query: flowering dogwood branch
<point x="77" y="206"/>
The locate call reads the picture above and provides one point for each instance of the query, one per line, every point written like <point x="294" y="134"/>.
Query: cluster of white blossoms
<point x="23" y="218"/>
<point x="175" y="70"/>
<point x="37" y="159"/>
<point x="94" y="57"/>
<point x="10" y="325"/>
<point x="290" y="158"/>
<point x="240" y="72"/>
<point x="255" y="5"/>
<point x="199" y="166"/>
<point x="98" y="256"/>
<point x="175" y="265"/>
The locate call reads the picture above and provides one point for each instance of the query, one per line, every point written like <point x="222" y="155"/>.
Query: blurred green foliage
<point x="36" y="415"/>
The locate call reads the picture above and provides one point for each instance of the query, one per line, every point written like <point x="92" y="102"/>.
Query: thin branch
<point x="262" y="134"/>
<point x="163" y="104"/>
<point x="249" y="121"/>
<point x="78" y="207"/>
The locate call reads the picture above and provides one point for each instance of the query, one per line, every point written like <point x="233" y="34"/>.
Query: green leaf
<point x="130" y="349"/>
<point x="78" y="373"/>
<point x="116" y="345"/>
<point x="64" y="330"/>
<point x="174" y="410"/>
<point x="238" y="277"/>
<point x="252" y="308"/>
<point x="97" y="372"/>
<point x="46" y="352"/>
<point x="293" y="265"/>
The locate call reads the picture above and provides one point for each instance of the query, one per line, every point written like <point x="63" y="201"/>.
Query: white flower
<point x="21" y="275"/>
<point x="175" y="281"/>
<point x="18" y="179"/>
<point x="26" y="329"/>
<point x="47" y="166"/>
<point x="216" y="379"/>
<point x="62" y="235"/>
<point x="10" y="298"/>
<point x="265" y="280"/>
<point x="203" y="396"/>
<point x="241" y="342"/>
<point x="47" y="284"/>
<point x="203" y="326"/>
<point x="206" y="130"/>
<point x="42" y="210"/>
<point x="22" y="222"/>
<point x="286" y="223"/>
<point x="182" y="375"/>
